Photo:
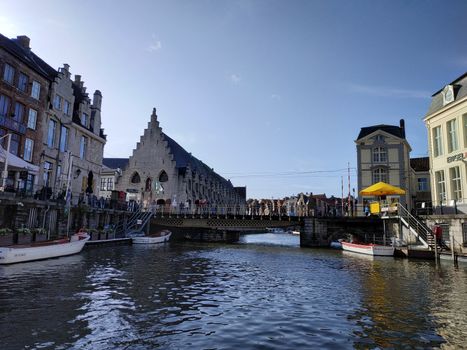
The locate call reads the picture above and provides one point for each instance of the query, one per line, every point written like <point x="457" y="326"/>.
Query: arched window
<point x="380" y="174"/>
<point x="148" y="184"/>
<point x="163" y="177"/>
<point x="380" y="155"/>
<point x="135" y="179"/>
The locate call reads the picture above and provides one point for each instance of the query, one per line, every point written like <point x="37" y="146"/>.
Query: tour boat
<point x="159" y="237"/>
<point x="368" y="249"/>
<point x="43" y="250"/>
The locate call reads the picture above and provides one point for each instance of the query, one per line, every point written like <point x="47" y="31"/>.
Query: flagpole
<point x="5" y="170"/>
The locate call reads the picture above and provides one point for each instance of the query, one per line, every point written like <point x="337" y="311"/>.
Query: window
<point x="380" y="174"/>
<point x="14" y="144"/>
<point x="380" y="155"/>
<point x="32" y="118"/>
<point x="103" y="182"/>
<point x="19" y="112"/>
<point x="36" y="89"/>
<point x="58" y="102"/>
<point x="452" y="136"/>
<point x="63" y="139"/>
<point x="110" y="184"/>
<point x="51" y="133"/>
<point x="135" y="179"/>
<point x="23" y="82"/>
<point x="84" y="120"/>
<point x="4" y="105"/>
<point x="163" y="177"/>
<point x="437" y="142"/>
<point x="422" y="184"/>
<point x="47" y="172"/>
<point x="148" y="184"/>
<point x="440" y="186"/>
<point x="82" y="147"/>
<point x="28" y="148"/>
<point x="456" y="190"/>
<point x="9" y="74"/>
<point x="67" y="107"/>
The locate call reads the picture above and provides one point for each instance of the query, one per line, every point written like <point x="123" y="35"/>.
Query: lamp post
<point x="5" y="170"/>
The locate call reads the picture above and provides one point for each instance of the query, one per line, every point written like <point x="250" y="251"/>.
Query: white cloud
<point x="276" y="97"/>
<point x="382" y="91"/>
<point x="234" y="78"/>
<point x="155" y="44"/>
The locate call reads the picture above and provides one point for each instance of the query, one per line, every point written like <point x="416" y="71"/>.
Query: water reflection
<point x="250" y="295"/>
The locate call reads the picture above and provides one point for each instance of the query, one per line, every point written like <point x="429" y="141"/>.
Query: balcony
<point x="12" y="125"/>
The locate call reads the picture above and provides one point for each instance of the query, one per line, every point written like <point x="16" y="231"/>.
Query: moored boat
<point x="159" y="237"/>
<point x="368" y="249"/>
<point x="43" y="250"/>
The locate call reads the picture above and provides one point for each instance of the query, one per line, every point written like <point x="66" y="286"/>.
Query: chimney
<point x="97" y="100"/>
<point x="23" y="41"/>
<point x="77" y="79"/>
<point x="402" y="126"/>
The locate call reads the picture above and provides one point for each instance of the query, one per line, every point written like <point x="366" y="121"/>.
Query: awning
<point x="381" y="189"/>
<point x="16" y="163"/>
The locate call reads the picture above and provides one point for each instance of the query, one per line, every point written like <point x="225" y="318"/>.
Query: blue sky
<point x="271" y="94"/>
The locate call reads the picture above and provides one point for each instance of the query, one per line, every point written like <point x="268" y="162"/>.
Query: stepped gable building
<point x="446" y="123"/>
<point x="161" y="171"/>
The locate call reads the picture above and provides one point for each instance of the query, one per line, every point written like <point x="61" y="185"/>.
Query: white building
<point x="446" y="123"/>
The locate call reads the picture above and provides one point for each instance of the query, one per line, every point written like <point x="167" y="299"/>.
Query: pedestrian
<point x="438" y="233"/>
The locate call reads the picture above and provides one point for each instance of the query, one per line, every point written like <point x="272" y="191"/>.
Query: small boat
<point x="368" y="249"/>
<point x="159" y="237"/>
<point x="293" y="232"/>
<point x="275" y="230"/>
<point x="335" y="245"/>
<point x="43" y="250"/>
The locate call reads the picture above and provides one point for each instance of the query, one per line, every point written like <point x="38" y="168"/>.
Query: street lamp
<point x="5" y="170"/>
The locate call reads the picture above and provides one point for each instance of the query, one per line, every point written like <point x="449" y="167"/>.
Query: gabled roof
<point x="460" y="91"/>
<point x="28" y="57"/>
<point x="390" y="129"/>
<point x="115" y="163"/>
<point x="420" y="164"/>
<point x="183" y="159"/>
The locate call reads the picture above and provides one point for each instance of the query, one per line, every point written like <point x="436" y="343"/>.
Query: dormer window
<point x="448" y="94"/>
<point x="84" y="119"/>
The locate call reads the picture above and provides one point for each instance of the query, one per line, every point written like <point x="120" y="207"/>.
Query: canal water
<point x="262" y="293"/>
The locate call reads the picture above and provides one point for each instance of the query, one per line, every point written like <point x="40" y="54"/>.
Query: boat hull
<point x="151" y="240"/>
<point x="368" y="249"/>
<point x="12" y="255"/>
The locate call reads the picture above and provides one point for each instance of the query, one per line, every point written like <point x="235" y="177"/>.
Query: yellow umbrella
<point x="381" y="189"/>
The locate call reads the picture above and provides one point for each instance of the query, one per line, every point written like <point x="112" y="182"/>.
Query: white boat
<point x="159" y="237"/>
<point x="368" y="249"/>
<point x="43" y="250"/>
<point x="293" y="232"/>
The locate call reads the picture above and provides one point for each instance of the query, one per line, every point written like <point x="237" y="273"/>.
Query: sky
<point x="271" y="94"/>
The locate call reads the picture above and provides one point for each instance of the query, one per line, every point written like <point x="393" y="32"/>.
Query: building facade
<point x="383" y="155"/>
<point x="52" y="125"/>
<point x="24" y="93"/>
<point x="446" y="123"/>
<point x="161" y="172"/>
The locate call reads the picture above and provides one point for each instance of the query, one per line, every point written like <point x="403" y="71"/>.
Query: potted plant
<point x="39" y="234"/>
<point x="6" y="236"/>
<point x="24" y="235"/>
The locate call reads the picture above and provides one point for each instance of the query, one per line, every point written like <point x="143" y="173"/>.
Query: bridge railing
<point x="239" y="211"/>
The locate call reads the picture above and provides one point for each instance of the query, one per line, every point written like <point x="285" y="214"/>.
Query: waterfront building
<point x="73" y="136"/>
<point x="383" y="155"/>
<point x="421" y="185"/>
<point x="446" y="123"/>
<point x="24" y="92"/>
<point x="112" y="169"/>
<point x="161" y="172"/>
